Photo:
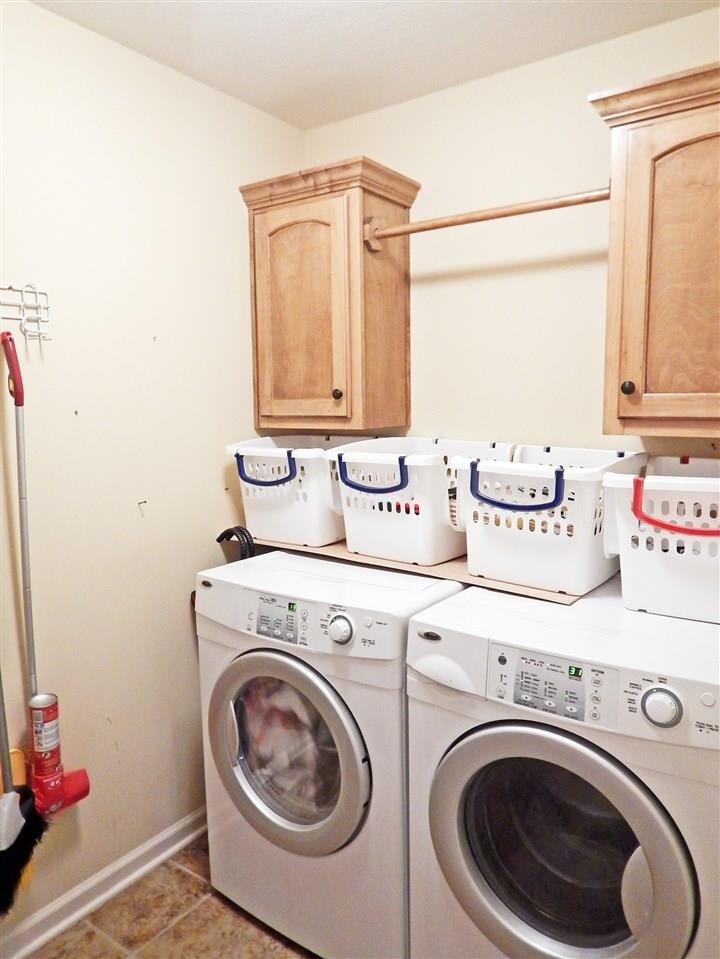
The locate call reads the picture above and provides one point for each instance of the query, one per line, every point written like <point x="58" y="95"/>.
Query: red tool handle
<point x="637" y="511"/>
<point x="15" y="383"/>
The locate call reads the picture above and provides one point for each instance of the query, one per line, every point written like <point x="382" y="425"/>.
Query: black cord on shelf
<point x="239" y="533"/>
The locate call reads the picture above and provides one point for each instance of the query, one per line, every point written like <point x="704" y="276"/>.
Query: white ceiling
<point x="311" y="62"/>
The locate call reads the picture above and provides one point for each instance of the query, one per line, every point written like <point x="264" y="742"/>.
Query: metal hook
<point x="30" y="306"/>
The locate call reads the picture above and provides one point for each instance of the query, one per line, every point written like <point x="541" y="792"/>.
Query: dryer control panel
<point x="277" y="617"/>
<point x="642" y="704"/>
<point x="551" y="684"/>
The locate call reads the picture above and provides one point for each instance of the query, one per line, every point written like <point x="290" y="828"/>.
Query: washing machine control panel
<point x="321" y="627"/>
<point x="551" y="684"/>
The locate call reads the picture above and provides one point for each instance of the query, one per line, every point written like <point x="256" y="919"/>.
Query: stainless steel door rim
<point x="658" y="875"/>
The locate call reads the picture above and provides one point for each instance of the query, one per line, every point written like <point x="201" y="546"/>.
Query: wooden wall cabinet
<point x="330" y="316"/>
<point x="663" y="329"/>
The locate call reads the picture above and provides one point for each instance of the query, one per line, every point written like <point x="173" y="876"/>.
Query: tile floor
<point x="171" y="913"/>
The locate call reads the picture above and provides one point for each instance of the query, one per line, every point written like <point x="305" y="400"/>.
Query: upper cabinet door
<point x="302" y="295"/>
<point x="670" y="341"/>
<point x="662" y="374"/>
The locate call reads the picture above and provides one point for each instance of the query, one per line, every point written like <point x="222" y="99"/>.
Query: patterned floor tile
<point x="140" y="912"/>
<point x="216" y="929"/>
<point x="80" y="942"/>
<point x="195" y="857"/>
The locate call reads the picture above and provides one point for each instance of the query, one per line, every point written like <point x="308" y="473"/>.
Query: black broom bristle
<point x="15" y="858"/>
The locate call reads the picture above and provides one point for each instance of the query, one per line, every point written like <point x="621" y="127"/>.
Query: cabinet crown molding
<point x="360" y="172"/>
<point x="671" y="94"/>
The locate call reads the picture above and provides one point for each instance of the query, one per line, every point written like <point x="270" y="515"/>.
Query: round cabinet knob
<point x="661" y="707"/>
<point x="337" y="394"/>
<point x="340" y="630"/>
<point x="628" y="388"/>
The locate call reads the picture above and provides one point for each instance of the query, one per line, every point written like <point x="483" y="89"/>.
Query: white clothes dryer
<point x="564" y="781"/>
<point x="302" y="671"/>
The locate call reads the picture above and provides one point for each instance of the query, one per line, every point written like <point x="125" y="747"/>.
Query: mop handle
<point x="5" y="765"/>
<point x="17" y="391"/>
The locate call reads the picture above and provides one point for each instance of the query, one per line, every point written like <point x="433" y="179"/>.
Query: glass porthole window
<point x="286" y="750"/>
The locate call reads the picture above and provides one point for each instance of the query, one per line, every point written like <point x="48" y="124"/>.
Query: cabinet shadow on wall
<point x="513" y="268"/>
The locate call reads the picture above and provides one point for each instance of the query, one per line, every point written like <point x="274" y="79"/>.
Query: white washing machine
<point x="302" y="669"/>
<point x="564" y="781"/>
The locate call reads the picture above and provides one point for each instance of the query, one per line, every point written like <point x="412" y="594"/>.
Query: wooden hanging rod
<point x="373" y="234"/>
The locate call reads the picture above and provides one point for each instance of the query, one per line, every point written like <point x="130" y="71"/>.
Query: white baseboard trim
<point x="90" y="894"/>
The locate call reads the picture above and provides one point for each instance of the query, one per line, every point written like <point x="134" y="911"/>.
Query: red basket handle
<point x="15" y="383"/>
<point x="637" y="511"/>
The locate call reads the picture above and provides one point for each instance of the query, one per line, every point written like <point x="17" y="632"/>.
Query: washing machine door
<point x="555" y="849"/>
<point x="289" y="753"/>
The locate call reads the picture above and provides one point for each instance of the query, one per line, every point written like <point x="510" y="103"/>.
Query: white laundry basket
<point x="397" y="495"/>
<point x="289" y="490"/>
<point x="537" y="521"/>
<point x="665" y="527"/>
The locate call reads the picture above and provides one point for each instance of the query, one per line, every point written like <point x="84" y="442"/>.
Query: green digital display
<point x="575" y="672"/>
<point x="292" y="607"/>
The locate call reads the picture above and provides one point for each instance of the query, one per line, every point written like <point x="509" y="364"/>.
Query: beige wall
<point x="120" y="200"/>
<point x="508" y="316"/>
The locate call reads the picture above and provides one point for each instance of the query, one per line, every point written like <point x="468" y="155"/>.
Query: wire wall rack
<point x="27" y="306"/>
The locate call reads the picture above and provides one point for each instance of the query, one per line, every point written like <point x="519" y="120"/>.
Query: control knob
<point x="661" y="707"/>
<point x="340" y="630"/>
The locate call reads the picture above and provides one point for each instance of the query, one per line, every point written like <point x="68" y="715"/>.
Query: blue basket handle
<point x="516" y="507"/>
<point x="292" y="472"/>
<point x="342" y="470"/>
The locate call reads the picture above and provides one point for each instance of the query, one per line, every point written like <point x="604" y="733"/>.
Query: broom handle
<point x="25" y="553"/>
<point x="5" y="767"/>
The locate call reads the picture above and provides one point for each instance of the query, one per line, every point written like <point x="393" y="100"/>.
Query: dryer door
<point x="289" y="752"/>
<point x="556" y="850"/>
